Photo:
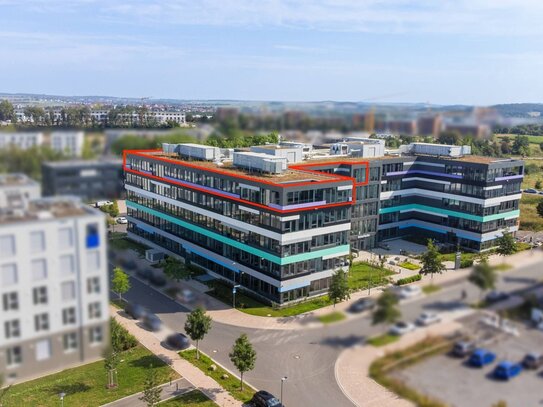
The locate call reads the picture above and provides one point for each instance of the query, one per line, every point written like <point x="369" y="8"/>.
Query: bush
<point x="407" y="280"/>
<point x="464" y="263"/>
<point x="121" y="339"/>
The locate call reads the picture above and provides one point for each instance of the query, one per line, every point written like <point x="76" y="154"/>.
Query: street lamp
<point x="234" y="295"/>
<point x="62" y="395"/>
<point x="283" y="379"/>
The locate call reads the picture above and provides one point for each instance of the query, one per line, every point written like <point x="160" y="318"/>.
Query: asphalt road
<point x="307" y="357"/>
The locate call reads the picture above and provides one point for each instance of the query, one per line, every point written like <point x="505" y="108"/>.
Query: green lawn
<point x="121" y="242"/>
<point x="86" y="385"/>
<point x="332" y="317"/>
<point x="429" y="289"/>
<point x="383" y="340"/>
<point x="408" y="265"/>
<point x="194" y="398"/>
<point x="231" y="384"/>
<point x="362" y="274"/>
<point x="529" y="219"/>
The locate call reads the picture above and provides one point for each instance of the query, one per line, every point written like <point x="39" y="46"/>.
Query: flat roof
<point x="9" y="180"/>
<point x="83" y="163"/>
<point x="46" y="209"/>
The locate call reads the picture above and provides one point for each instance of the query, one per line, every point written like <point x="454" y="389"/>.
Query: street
<point x="307" y="357"/>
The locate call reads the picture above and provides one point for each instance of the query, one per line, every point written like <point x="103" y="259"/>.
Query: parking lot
<point x="450" y="380"/>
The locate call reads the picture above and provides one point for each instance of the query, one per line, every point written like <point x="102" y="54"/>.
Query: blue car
<point x="481" y="357"/>
<point x="507" y="370"/>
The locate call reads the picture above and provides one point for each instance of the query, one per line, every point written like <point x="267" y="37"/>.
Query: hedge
<point x="407" y="280"/>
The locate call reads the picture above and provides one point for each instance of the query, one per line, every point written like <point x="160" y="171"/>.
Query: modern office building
<point x="280" y="224"/>
<point x="53" y="287"/>
<point x="16" y="190"/>
<point x="90" y="180"/>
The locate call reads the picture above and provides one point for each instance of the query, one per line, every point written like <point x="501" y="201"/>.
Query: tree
<point x="506" y="244"/>
<point x="521" y="145"/>
<point x="174" y="268"/>
<point x="539" y="208"/>
<point x="483" y="276"/>
<point x="151" y="389"/>
<point x="243" y="356"/>
<point x="538" y="184"/>
<point x="111" y="361"/>
<point x="197" y="326"/>
<point x="7" y="112"/>
<point x="386" y="310"/>
<point x="339" y="288"/>
<point x="120" y="283"/>
<point x="450" y="137"/>
<point x="431" y="261"/>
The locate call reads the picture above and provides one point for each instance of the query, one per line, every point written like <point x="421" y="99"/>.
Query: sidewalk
<point x="192" y="374"/>
<point x="176" y="388"/>
<point x="352" y="368"/>
<point x="225" y="314"/>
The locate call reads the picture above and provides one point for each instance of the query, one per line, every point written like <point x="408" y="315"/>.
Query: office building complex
<point x="279" y="222"/>
<point x="53" y="287"/>
<point x="90" y="180"/>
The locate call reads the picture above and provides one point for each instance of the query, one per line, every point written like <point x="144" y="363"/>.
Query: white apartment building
<point x="53" y="287"/>
<point x="16" y="190"/>
<point x="22" y="140"/>
<point x="67" y="142"/>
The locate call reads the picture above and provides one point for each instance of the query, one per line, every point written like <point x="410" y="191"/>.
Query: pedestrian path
<point x="169" y="391"/>
<point x="190" y="373"/>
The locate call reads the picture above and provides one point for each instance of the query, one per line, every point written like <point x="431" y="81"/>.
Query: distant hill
<point x="519" y="109"/>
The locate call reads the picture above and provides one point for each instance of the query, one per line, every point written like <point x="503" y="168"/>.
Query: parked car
<point x="186" y="296"/>
<point x="401" y="328"/>
<point x="530" y="191"/>
<point x="158" y="280"/>
<point x="428" y="318"/>
<point x="145" y="273"/>
<point x="463" y="348"/>
<point x="136" y="311"/>
<point x="409" y="291"/>
<point x="532" y="361"/>
<point x="99" y="204"/>
<point x="130" y="265"/>
<point x="495" y="296"/>
<point x="264" y="399"/>
<point x="152" y="322"/>
<point x="122" y="220"/>
<point x="507" y="370"/>
<point x="361" y="305"/>
<point x="178" y="341"/>
<point x="481" y="357"/>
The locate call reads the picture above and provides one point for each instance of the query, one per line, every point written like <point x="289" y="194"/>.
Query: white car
<point x="122" y="220"/>
<point x="401" y="328"/>
<point x="428" y="318"/>
<point x="409" y="291"/>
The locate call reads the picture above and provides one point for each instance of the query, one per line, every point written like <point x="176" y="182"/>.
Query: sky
<point x="437" y="51"/>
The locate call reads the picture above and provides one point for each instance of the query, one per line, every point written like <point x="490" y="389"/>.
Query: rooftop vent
<point x="193" y="151"/>
<point x="260" y="162"/>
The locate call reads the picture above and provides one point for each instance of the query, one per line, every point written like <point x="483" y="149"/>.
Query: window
<point x="68" y="316"/>
<point x="37" y="242"/>
<point x="95" y="335"/>
<point x="65" y="238"/>
<point x="14" y="356"/>
<point x="39" y="270"/>
<point x="10" y="301"/>
<point x="67" y="265"/>
<point x="43" y="349"/>
<point x="8" y="274"/>
<point x="39" y="294"/>
<point x="70" y="342"/>
<point x="7" y="246"/>
<point x="93" y="239"/>
<point x="94" y="310"/>
<point x="41" y="322"/>
<point x="93" y="285"/>
<point x="93" y="260"/>
<point x="68" y="291"/>
<point x="12" y="329"/>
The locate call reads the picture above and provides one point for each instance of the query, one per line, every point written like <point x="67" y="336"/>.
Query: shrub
<point x="121" y="339"/>
<point x="466" y="263"/>
<point x="407" y="280"/>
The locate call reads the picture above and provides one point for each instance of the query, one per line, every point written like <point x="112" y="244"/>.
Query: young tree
<point x="483" y="276"/>
<point x="197" y="326"/>
<point x="7" y="111"/>
<point x="111" y="361"/>
<point x="339" y="288"/>
<point x="120" y="282"/>
<point x="387" y="310"/>
<point x="243" y="356"/>
<point x="174" y="268"/>
<point x="506" y="244"/>
<point x="431" y="262"/>
<point x="151" y="391"/>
